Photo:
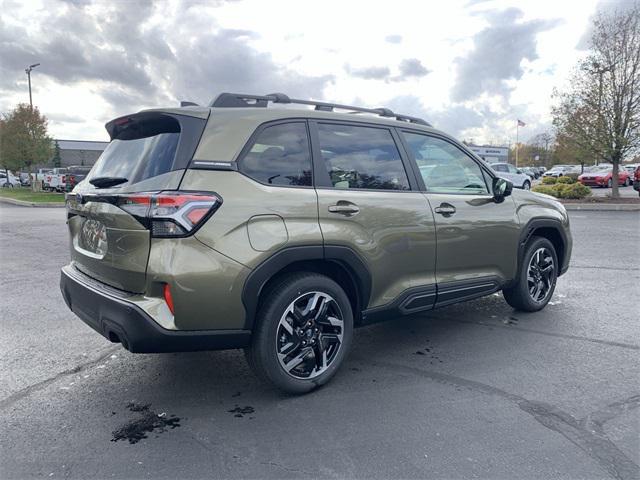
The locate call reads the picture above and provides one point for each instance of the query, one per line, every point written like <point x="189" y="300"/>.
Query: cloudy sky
<point x="469" y="67"/>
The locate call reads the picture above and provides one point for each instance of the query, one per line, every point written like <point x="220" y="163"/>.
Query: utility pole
<point x="28" y="72"/>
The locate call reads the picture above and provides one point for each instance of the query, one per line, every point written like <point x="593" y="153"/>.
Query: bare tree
<point x="600" y="113"/>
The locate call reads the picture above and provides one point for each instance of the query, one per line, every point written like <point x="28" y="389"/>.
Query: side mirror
<point x="501" y="188"/>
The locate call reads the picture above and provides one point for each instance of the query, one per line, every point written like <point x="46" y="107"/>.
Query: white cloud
<point x="103" y="59"/>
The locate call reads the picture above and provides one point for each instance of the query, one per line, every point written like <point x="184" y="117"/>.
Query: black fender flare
<point x="346" y="257"/>
<point x="529" y="230"/>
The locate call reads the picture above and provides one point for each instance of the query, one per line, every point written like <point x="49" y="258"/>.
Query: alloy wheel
<point x="309" y="335"/>
<point x="540" y="274"/>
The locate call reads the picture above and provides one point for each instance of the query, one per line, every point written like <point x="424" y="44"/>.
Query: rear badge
<point x="93" y="237"/>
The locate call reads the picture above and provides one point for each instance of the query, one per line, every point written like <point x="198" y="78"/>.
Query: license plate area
<point x="92" y="240"/>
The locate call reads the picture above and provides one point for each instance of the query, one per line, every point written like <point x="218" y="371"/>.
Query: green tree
<point x="57" y="160"/>
<point x="23" y="139"/>
<point x="599" y="115"/>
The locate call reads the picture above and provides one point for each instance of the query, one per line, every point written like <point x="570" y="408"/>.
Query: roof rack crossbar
<point x="239" y="100"/>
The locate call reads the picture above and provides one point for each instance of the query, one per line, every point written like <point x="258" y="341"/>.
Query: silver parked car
<point x="513" y="174"/>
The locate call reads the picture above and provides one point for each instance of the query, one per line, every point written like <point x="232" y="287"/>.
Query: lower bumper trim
<point x="125" y="322"/>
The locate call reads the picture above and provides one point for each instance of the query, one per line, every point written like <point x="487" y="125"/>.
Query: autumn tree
<point x="599" y="115"/>
<point x="23" y="139"/>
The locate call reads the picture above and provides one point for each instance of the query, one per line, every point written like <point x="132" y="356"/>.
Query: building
<point x="490" y="153"/>
<point x="80" y="152"/>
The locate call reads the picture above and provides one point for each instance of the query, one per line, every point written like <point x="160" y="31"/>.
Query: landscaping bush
<point x="546" y="189"/>
<point x="549" y="180"/>
<point x="576" y="190"/>
<point x="564" y="190"/>
<point x="572" y="176"/>
<point x="568" y="178"/>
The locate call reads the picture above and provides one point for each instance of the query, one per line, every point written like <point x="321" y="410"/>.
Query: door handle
<point x="445" y="209"/>
<point x="344" y="208"/>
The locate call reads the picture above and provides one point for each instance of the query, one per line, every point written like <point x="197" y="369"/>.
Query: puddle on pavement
<point x="149" y="422"/>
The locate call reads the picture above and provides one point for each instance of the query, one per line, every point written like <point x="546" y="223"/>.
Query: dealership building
<point x="80" y="152"/>
<point x="490" y="153"/>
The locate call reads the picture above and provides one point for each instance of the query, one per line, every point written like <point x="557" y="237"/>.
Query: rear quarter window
<point x="280" y="155"/>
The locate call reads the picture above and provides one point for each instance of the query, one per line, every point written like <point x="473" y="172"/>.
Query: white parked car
<point x="11" y="182"/>
<point x="557" y="171"/>
<point x="513" y="174"/>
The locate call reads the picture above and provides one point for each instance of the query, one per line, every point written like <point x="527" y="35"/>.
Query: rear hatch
<point x="108" y="212"/>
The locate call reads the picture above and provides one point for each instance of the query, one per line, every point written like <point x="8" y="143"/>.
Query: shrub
<point x="546" y="189"/>
<point x="568" y="178"/>
<point x="549" y="180"/>
<point x="576" y="190"/>
<point x="564" y="190"/>
<point x="572" y="176"/>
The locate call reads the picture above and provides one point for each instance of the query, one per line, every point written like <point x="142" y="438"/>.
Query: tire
<point x="626" y="182"/>
<point x="281" y="352"/>
<point x="609" y="183"/>
<point x="531" y="298"/>
<point x="526" y="185"/>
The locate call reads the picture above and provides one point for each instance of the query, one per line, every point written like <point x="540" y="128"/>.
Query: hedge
<point x="566" y="179"/>
<point x="564" y="190"/>
<point x="549" y="180"/>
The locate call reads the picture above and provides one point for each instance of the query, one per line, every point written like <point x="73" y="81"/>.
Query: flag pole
<point x="517" y="128"/>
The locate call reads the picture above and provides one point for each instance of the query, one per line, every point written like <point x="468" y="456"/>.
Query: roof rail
<point x="239" y="100"/>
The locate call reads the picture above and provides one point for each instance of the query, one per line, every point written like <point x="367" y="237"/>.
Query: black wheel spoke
<point x="540" y="274"/>
<point x="309" y="335"/>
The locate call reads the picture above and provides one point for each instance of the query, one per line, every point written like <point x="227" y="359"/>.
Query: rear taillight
<point x="170" y="214"/>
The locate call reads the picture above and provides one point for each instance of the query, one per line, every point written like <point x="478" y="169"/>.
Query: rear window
<point x="143" y="150"/>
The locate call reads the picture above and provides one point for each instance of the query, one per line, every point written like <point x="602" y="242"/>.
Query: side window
<point x="512" y="169"/>
<point x="280" y="156"/>
<point x="500" y="168"/>
<point x="361" y="157"/>
<point x="444" y="167"/>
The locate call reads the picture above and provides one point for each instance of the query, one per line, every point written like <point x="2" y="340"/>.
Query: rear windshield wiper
<point x="105" y="182"/>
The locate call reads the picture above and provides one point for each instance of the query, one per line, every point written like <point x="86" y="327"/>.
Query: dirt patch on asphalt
<point x="149" y="421"/>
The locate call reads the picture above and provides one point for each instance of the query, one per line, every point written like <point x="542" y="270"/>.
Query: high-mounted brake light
<point x="170" y="214"/>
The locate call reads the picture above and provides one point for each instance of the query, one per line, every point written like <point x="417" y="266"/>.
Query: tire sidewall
<point x="265" y="340"/>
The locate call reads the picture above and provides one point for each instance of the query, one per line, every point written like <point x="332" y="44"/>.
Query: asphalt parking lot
<point x="475" y="390"/>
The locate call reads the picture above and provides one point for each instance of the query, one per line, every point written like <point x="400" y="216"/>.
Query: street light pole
<point x="28" y="72"/>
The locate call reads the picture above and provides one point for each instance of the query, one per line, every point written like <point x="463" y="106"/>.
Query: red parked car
<point x="636" y="179"/>
<point x="603" y="178"/>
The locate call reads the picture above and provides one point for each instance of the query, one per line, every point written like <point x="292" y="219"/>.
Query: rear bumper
<point x="121" y="321"/>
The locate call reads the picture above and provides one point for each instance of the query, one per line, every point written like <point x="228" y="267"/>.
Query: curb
<point x="603" y="207"/>
<point x="22" y="203"/>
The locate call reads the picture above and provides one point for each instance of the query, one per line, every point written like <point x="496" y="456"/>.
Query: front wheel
<point x="609" y="183"/>
<point x="626" y="182"/>
<point x="302" y="333"/>
<point x="526" y="186"/>
<point x="537" y="278"/>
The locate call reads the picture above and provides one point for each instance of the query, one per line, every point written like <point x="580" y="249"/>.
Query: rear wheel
<point x="537" y="279"/>
<point x="609" y="183"/>
<point x="302" y="333"/>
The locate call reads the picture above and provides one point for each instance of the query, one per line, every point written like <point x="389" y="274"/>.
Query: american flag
<point x="521" y="123"/>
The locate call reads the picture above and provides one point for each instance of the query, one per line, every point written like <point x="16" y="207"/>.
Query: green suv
<point x="278" y="230"/>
